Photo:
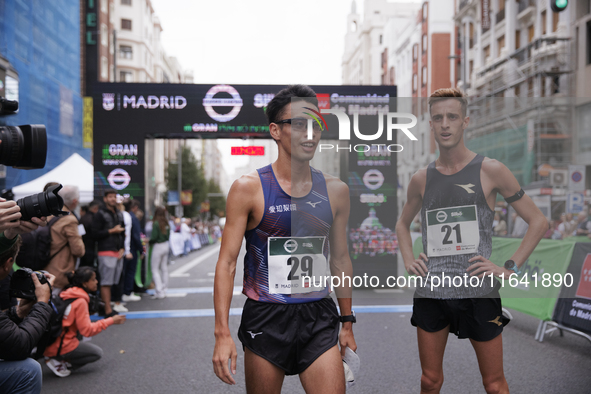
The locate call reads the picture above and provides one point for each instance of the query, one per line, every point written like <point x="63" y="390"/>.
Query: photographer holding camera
<point x="22" y="326"/>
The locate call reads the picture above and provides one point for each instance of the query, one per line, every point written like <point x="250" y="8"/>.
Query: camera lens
<point x="23" y="146"/>
<point x="42" y="204"/>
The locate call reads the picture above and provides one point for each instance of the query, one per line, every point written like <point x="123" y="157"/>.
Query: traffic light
<point x="559" y="5"/>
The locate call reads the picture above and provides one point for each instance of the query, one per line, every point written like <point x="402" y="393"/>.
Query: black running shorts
<point x="291" y="336"/>
<point x="480" y="319"/>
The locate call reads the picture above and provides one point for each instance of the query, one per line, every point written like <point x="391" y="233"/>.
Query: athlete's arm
<point x="414" y="202"/>
<point x="238" y="208"/>
<point x="340" y="262"/>
<point x="503" y="182"/>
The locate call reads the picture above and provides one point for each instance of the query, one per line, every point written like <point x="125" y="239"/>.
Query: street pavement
<point x="166" y="346"/>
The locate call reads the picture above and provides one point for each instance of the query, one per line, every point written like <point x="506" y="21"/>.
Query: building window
<point x="125" y="52"/>
<point x="125" y="24"/>
<point x="500" y="44"/>
<point x="392" y="76"/>
<point x="104" y="35"/>
<point x="517" y="39"/>
<point x="555" y="18"/>
<point x="544" y="22"/>
<point x="125" y="2"/>
<point x="415" y="83"/>
<point x="543" y="87"/>
<point x="471" y="35"/>
<point x="415" y="52"/>
<point x="425" y="11"/>
<point x="530" y="33"/>
<point x="104" y="7"/>
<point x="424" y="76"/>
<point x="518" y="90"/>
<point x="125" y="76"/>
<point x="104" y="68"/>
<point x="584" y="7"/>
<point x="486" y="52"/>
<point x="501" y="13"/>
<point x="381" y="38"/>
<point x="424" y="43"/>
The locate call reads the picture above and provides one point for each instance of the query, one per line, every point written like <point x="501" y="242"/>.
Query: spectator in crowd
<point x="135" y="250"/>
<point x="520" y="226"/>
<point x="66" y="242"/>
<point x="22" y="325"/>
<point x="107" y="228"/>
<point x="160" y="249"/>
<point x="583" y="223"/>
<point x="566" y="226"/>
<point x="68" y="350"/>
<point x="89" y="258"/>
<point x="186" y="234"/>
<point x="499" y="225"/>
<point x="117" y="289"/>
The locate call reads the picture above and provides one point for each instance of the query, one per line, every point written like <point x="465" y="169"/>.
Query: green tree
<point x="192" y="178"/>
<point x="217" y="205"/>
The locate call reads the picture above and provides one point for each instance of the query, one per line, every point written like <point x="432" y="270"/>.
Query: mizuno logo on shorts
<point x="254" y="334"/>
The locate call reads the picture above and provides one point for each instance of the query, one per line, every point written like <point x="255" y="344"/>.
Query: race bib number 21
<point x="452" y="231"/>
<point x="294" y="259"/>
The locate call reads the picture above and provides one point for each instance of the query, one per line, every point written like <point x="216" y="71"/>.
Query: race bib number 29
<point x="452" y="231"/>
<point x="292" y="260"/>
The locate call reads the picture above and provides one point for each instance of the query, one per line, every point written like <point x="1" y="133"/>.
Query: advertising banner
<point x="125" y="114"/>
<point x="573" y="309"/>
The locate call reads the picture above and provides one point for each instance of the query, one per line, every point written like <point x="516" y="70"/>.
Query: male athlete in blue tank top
<point x="290" y="216"/>
<point x="456" y="195"/>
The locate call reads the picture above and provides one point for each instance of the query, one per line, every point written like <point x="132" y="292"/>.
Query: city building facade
<point x="40" y="67"/>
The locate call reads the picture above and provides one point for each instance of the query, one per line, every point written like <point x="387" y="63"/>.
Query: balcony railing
<point x="500" y="16"/>
<point x="523" y="4"/>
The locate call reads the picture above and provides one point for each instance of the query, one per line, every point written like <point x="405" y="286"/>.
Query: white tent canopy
<point x="74" y="171"/>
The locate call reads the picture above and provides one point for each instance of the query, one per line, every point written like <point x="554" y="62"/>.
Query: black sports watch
<point x="352" y="318"/>
<point x="510" y="265"/>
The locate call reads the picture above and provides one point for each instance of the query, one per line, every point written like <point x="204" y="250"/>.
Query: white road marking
<point x="182" y="271"/>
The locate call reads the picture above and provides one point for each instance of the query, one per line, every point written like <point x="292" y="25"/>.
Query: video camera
<point x="25" y="147"/>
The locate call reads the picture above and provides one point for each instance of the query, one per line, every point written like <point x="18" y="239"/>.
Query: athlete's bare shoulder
<point x="418" y="181"/>
<point x="245" y="188"/>
<point x="335" y="185"/>
<point x="495" y="171"/>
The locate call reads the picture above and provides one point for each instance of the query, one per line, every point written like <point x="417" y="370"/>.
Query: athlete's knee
<point x="495" y="385"/>
<point x="431" y="382"/>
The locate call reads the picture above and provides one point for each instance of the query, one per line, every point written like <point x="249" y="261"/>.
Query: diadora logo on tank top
<point x="283" y="208"/>
<point x="467" y="188"/>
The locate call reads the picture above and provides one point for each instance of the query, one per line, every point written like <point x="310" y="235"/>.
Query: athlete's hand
<point x="346" y="338"/>
<point x="224" y="350"/>
<point x="483" y="266"/>
<point x="418" y="266"/>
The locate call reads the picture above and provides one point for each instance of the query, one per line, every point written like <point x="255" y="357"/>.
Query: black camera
<point x="23" y="146"/>
<point x="42" y="204"/>
<point x="22" y="285"/>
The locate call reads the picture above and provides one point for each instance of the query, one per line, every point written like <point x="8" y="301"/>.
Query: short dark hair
<point x="49" y="184"/>
<point x="94" y="203"/>
<point x="130" y="204"/>
<point x="276" y="107"/>
<point x="109" y="191"/>
<point x="11" y="252"/>
<point x="449" y="93"/>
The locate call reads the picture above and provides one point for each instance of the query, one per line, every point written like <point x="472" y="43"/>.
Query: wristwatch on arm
<point x="510" y="265"/>
<point x="352" y="318"/>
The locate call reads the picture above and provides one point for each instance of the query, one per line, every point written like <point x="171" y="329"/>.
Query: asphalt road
<point x="156" y="352"/>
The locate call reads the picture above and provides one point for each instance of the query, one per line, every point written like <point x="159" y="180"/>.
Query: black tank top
<point x="457" y="225"/>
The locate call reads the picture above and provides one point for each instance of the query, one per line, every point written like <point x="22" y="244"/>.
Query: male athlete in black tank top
<point x="456" y="195"/>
